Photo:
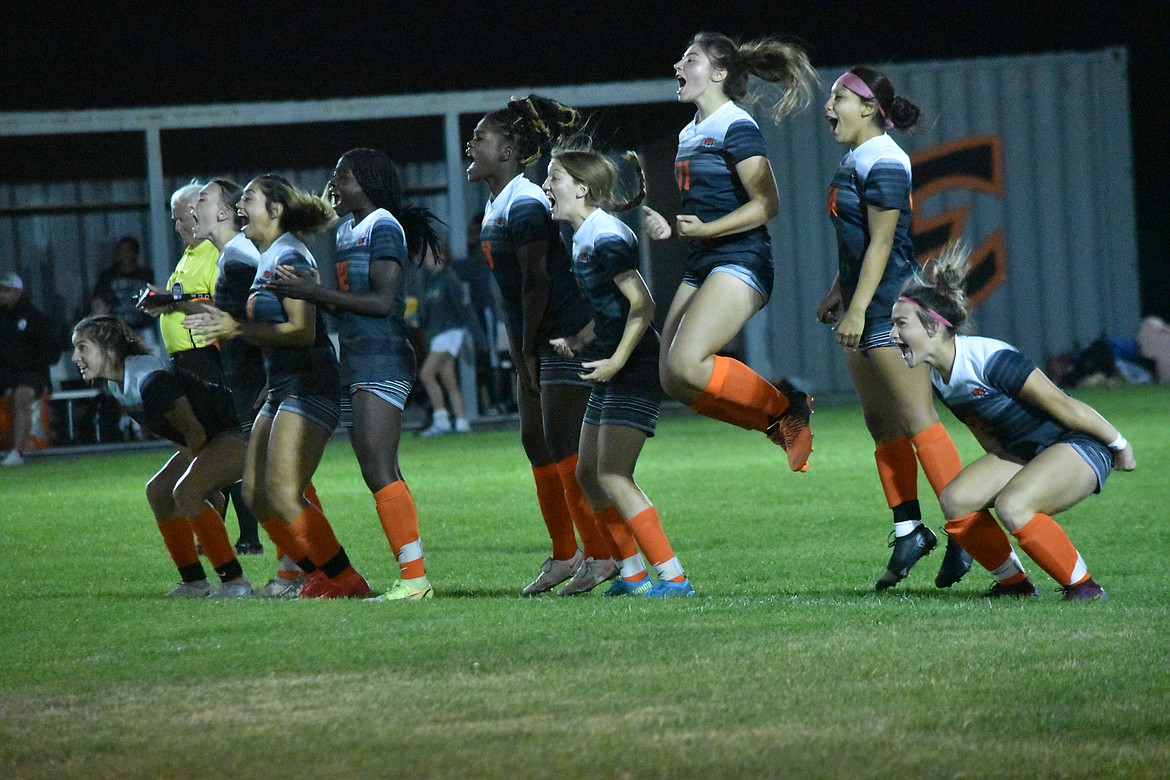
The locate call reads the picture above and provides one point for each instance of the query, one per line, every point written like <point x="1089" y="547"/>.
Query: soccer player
<point x="728" y="195"/>
<point x="620" y="351"/>
<point x="197" y="416"/>
<point x="522" y="246"/>
<point x="216" y="220"/>
<point x="303" y="407"/>
<point x="377" y="360"/>
<point x="870" y="206"/>
<point x="1045" y="451"/>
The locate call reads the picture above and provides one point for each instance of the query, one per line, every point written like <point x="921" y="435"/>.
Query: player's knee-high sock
<point x="399" y="518"/>
<point x="550" y="494"/>
<point x="938" y="456"/>
<point x="313" y="531"/>
<point x="1048" y="545"/>
<point x="593" y="540"/>
<point x="647" y="529"/>
<point x="898" y="472"/>
<point x="180" y="541"/>
<point x="981" y="536"/>
<point x="287" y="544"/>
<point x="208" y="526"/>
<point x="311" y="496"/>
<point x="735" y="394"/>
<point x="621" y="539"/>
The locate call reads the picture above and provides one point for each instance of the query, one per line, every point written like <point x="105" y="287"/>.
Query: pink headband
<point x="853" y="83"/>
<point x="934" y="315"/>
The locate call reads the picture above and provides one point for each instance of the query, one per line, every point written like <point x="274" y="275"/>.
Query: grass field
<point x="786" y="663"/>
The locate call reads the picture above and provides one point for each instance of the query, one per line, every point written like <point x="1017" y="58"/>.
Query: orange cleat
<point x="791" y="430"/>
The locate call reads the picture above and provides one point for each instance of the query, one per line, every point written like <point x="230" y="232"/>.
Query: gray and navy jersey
<point x="705" y="174"/>
<point x="519" y="215"/>
<point x="237" y="263"/>
<point x="604" y="248"/>
<point x="243" y="363"/>
<point x="373" y="349"/>
<point x="292" y="370"/>
<point x="876" y="173"/>
<point x="152" y="385"/>
<point x="983" y="393"/>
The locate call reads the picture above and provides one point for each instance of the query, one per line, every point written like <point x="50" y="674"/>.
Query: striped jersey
<point x="876" y="173"/>
<point x="705" y="174"/>
<point x="519" y="215"/>
<point x="243" y="363"/>
<point x="373" y="349"/>
<point x="152" y="385"/>
<point x="292" y="370"/>
<point x="604" y="247"/>
<point x="983" y="393"/>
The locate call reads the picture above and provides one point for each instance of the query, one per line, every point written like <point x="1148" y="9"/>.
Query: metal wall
<point x="1027" y="159"/>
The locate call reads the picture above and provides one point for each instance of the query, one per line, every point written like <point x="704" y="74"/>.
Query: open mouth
<point x="833" y="122"/>
<point x="682" y="82"/>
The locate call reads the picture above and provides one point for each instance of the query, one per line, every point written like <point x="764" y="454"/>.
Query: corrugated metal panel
<point x="1060" y="200"/>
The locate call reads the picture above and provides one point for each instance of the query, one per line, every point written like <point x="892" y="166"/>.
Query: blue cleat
<point x="623" y="587"/>
<point x="664" y="589"/>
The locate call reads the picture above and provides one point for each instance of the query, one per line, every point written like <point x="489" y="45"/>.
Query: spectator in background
<point x="117" y="289"/>
<point x="28" y="351"/>
<point x="446" y="316"/>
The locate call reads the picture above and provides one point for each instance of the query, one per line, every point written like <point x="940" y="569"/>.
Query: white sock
<point x="905" y="528"/>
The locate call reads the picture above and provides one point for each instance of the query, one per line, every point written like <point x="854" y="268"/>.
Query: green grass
<point x="785" y="664"/>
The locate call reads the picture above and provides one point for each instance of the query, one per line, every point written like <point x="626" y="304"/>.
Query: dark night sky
<point x="73" y="55"/>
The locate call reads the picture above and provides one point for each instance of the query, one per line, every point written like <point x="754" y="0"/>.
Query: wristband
<point x="1118" y="444"/>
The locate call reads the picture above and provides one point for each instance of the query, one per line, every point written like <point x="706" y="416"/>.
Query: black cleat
<point x="1084" y="591"/>
<point x="908" y="550"/>
<point x="1024" y="589"/>
<point x="956" y="563"/>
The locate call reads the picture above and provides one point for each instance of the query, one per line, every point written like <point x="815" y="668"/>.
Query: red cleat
<point x="347" y="585"/>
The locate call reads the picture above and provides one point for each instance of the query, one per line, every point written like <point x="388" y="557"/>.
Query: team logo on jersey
<point x="500" y="221"/>
<point x="361" y="241"/>
<point x="708" y="142"/>
<point x="973" y="164"/>
<point x="978" y="392"/>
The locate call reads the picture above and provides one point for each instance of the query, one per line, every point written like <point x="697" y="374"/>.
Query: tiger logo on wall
<point x="974" y="164"/>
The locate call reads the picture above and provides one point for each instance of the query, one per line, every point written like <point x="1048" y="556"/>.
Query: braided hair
<point x="110" y="334"/>
<point x="378" y="176"/>
<point x="535" y="124"/>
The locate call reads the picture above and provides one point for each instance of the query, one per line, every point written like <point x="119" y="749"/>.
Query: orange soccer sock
<point x="938" y="456"/>
<point x="311" y="496"/>
<point x="180" y="541"/>
<point x="550" y="494"/>
<point x="647" y="529"/>
<point x="618" y="530"/>
<point x="897" y="471"/>
<point x="594" y="541"/>
<point x="1048" y="545"/>
<point x="316" y="536"/>
<point x="208" y="526"/>
<point x="399" y="518"/>
<point x="980" y="535"/>
<point x="735" y="394"/>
